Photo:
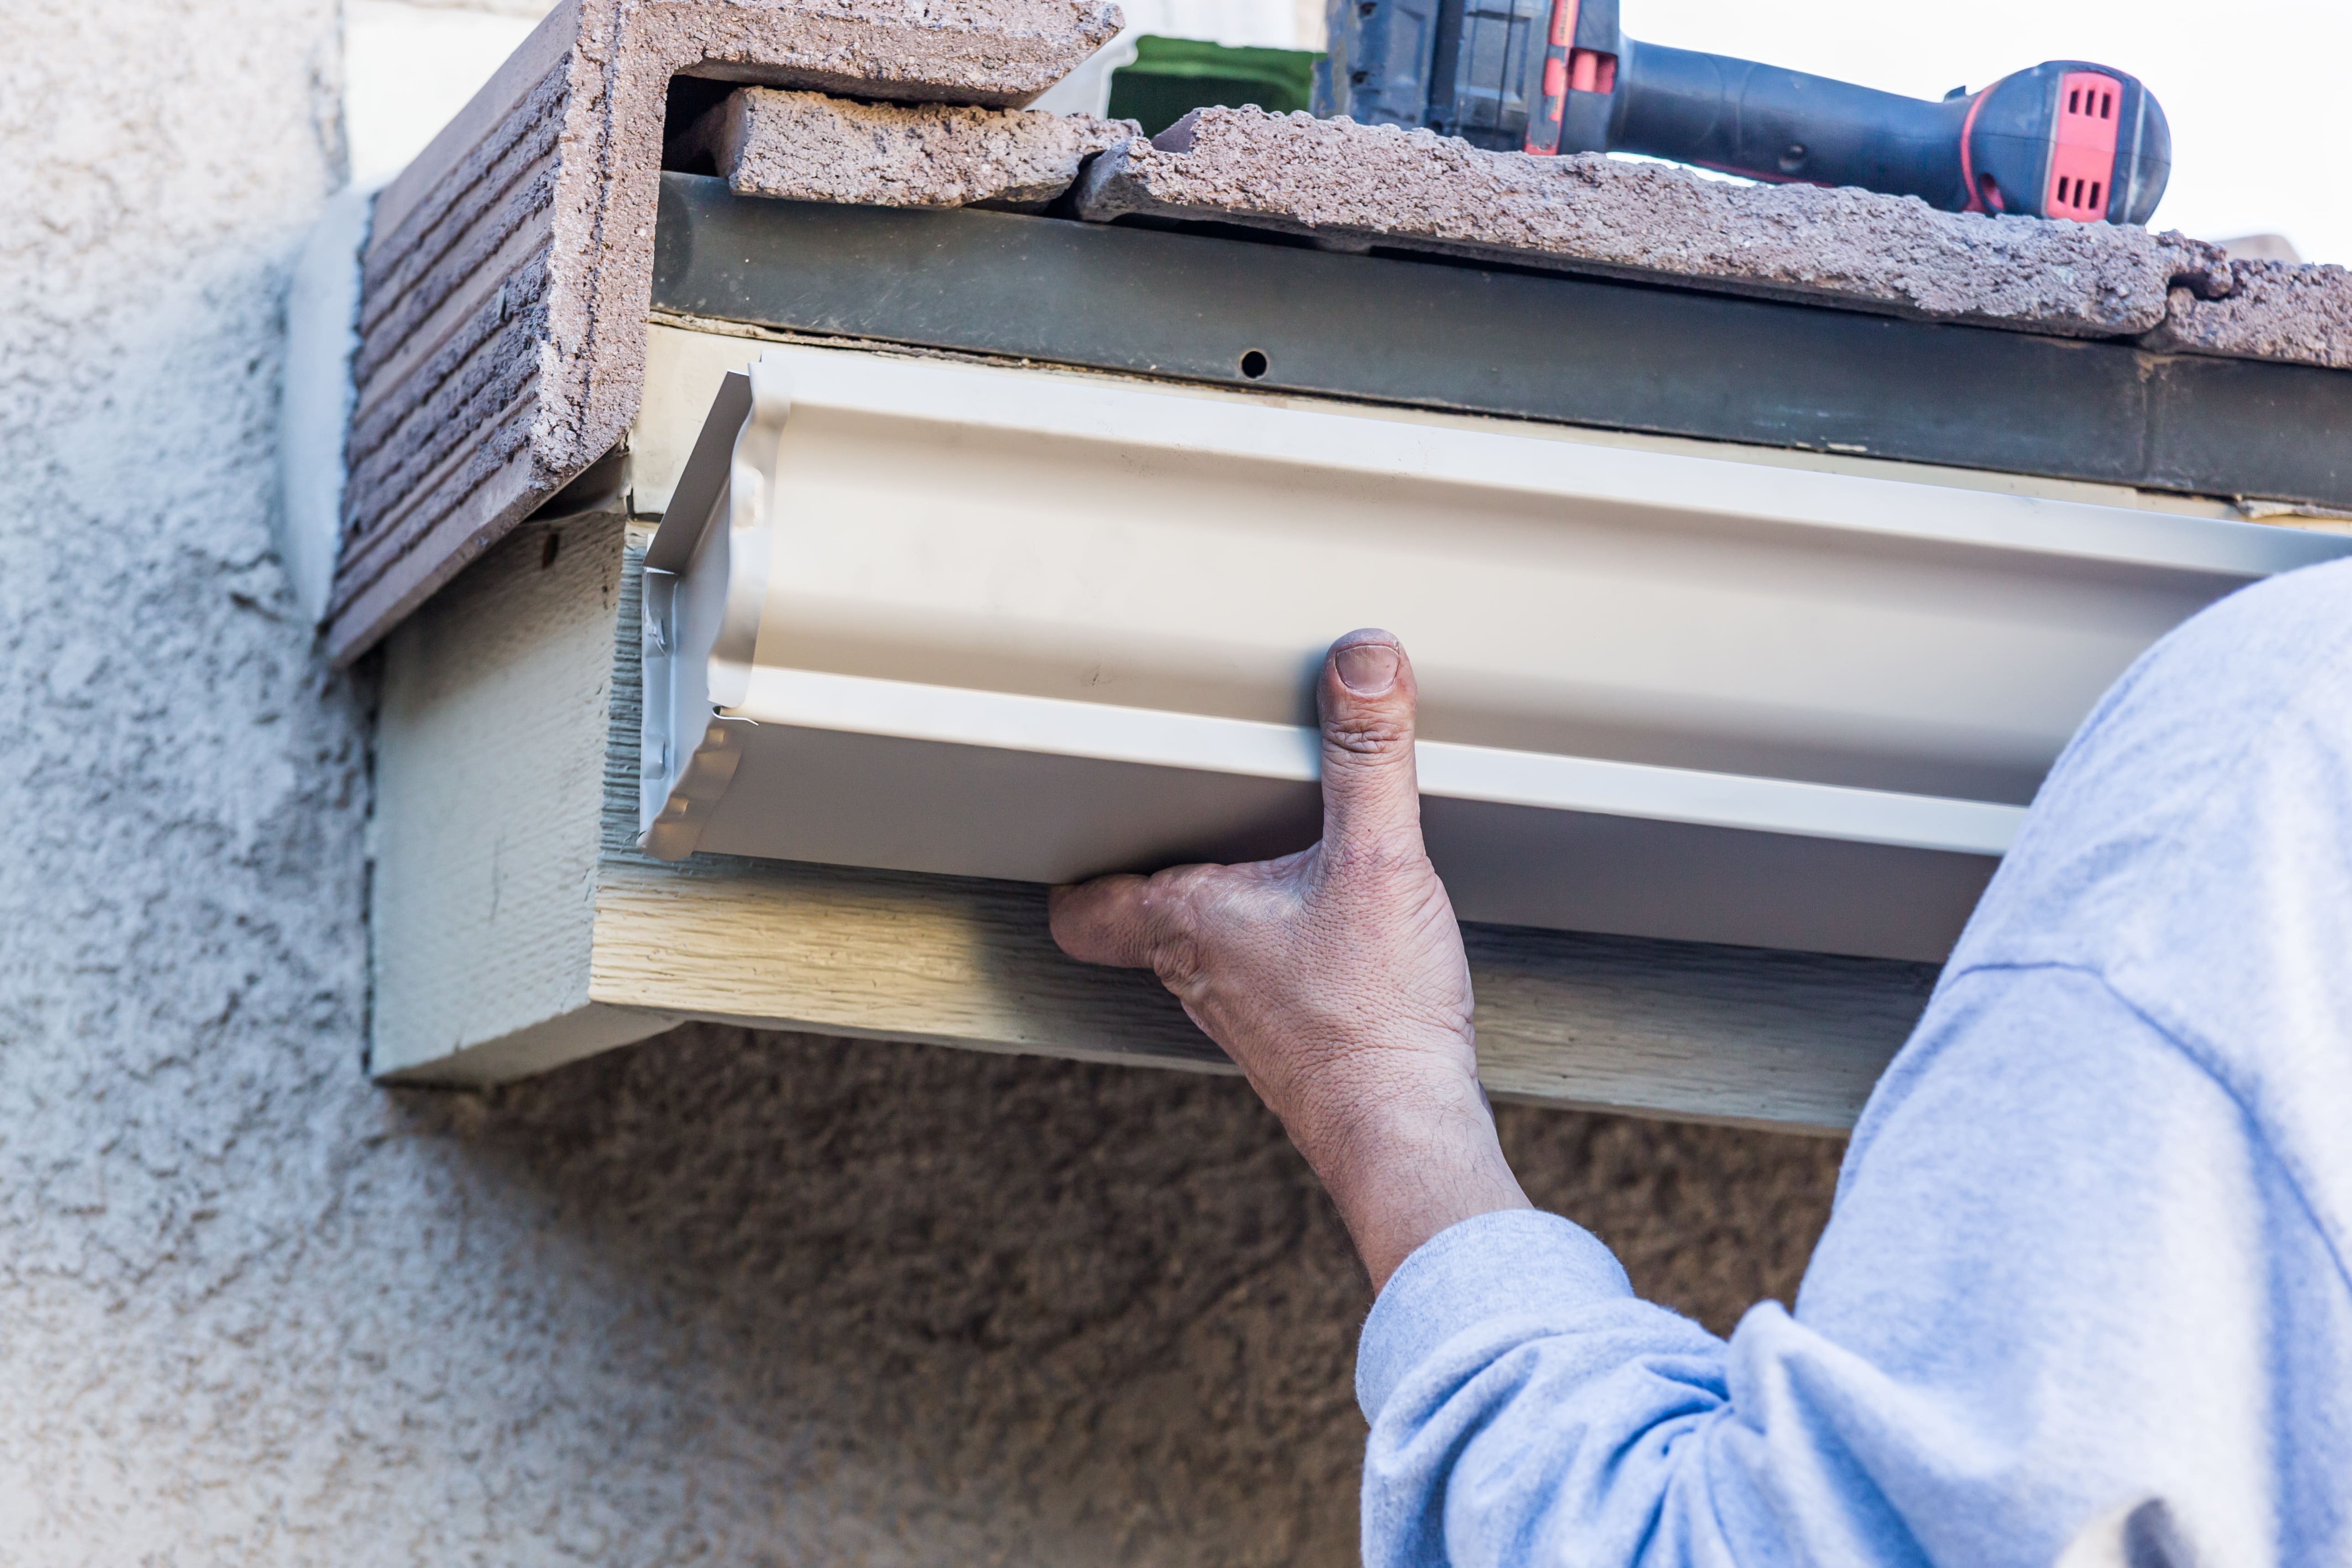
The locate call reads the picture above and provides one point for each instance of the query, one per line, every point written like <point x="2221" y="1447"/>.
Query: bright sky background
<point x="2259" y="92"/>
<point x="407" y="69"/>
<point x="2256" y="90"/>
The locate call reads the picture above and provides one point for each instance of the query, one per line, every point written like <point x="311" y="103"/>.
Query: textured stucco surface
<point x="721" y="1299"/>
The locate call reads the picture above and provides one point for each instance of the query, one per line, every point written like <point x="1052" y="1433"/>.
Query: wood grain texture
<point x="892" y="955"/>
<point x="1700" y="1033"/>
<point x="1724" y="1034"/>
<point x="519" y="927"/>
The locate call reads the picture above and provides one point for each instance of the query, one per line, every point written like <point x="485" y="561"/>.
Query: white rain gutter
<point x="935" y="616"/>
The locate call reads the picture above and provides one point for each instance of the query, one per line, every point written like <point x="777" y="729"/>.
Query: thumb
<point x="1370" y="795"/>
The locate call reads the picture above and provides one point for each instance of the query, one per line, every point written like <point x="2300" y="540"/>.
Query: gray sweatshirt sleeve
<point x="2087" y="1246"/>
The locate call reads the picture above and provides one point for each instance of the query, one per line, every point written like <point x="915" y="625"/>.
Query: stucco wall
<point x="722" y="1299"/>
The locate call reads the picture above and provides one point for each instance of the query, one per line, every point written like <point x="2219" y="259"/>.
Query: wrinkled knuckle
<point x="1177" y="961"/>
<point x="1368" y="734"/>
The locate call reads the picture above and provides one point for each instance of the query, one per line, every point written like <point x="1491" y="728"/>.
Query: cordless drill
<point x="2067" y="138"/>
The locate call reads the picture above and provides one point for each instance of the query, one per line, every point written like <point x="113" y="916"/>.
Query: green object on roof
<point x="1172" y="76"/>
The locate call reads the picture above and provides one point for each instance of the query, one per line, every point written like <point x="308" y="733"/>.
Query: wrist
<point x="1404" y="1165"/>
<point x="1375" y="1119"/>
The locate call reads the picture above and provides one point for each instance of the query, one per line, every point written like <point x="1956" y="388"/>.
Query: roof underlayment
<point x="506" y="279"/>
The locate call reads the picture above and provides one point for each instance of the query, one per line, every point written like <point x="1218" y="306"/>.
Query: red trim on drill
<point x="1967" y="172"/>
<point x="1543" y="118"/>
<point x="2083" y="148"/>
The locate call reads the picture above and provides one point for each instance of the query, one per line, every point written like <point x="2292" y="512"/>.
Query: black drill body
<point x="1480" y="70"/>
<point x="1770" y="124"/>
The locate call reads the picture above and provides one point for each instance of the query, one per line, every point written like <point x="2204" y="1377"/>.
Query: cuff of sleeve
<point x="1506" y="1264"/>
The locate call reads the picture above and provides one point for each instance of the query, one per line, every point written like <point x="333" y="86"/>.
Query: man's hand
<point x="1335" y="977"/>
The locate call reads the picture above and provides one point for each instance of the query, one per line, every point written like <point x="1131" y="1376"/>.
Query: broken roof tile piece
<point x="506" y="278"/>
<point x="806" y="146"/>
<point x="2273" y="310"/>
<point x="1360" y="185"/>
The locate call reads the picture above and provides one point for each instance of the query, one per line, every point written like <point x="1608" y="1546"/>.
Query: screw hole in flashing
<point x="1254" y="363"/>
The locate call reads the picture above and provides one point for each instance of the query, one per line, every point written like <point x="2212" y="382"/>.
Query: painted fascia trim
<point x="1448" y="769"/>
